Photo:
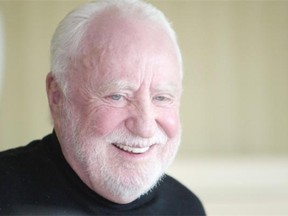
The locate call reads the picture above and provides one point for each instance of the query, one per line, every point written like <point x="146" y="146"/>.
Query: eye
<point x="161" y="98"/>
<point x="116" y="97"/>
<point x="164" y="100"/>
<point x="117" y="100"/>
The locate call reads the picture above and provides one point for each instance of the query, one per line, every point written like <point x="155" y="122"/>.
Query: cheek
<point x="104" y="121"/>
<point x="169" y="121"/>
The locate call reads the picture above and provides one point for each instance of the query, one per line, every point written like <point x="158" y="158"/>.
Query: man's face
<point x="121" y="124"/>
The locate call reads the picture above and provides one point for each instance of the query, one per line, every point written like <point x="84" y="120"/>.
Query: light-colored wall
<point x="236" y="73"/>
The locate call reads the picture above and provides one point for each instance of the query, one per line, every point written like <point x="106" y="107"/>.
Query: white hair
<point x="67" y="38"/>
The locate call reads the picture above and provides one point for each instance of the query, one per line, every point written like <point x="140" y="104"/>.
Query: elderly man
<point x="114" y="92"/>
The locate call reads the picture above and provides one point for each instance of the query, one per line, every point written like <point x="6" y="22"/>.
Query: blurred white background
<point x="235" y="103"/>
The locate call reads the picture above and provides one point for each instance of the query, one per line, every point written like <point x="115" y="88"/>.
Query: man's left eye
<point x="161" y="98"/>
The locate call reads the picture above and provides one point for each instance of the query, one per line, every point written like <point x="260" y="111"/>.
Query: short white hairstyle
<point x="66" y="41"/>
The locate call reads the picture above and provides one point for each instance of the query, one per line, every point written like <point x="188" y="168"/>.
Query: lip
<point x="131" y="155"/>
<point x="135" y="149"/>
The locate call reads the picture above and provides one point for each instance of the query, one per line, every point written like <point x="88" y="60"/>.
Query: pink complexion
<point x="127" y="76"/>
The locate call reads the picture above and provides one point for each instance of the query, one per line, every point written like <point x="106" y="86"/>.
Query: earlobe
<point x="53" y="92"/>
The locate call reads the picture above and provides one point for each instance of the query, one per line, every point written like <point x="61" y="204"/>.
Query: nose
<point x="142" y="120"/>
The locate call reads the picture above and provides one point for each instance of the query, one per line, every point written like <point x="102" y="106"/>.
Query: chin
<point x="116" y="176"/>
<point x="123" y="181"/>
<point x="124" y="190"/>
<point x="123" y="194"/>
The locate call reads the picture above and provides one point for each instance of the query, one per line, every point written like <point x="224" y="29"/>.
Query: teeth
<point x="136" y="150"/>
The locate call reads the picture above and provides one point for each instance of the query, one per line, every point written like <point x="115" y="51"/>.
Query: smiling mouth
<point x="129" y="149"/>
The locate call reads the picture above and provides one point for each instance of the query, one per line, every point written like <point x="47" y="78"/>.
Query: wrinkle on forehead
<point x="114" y="32"/>
<point x="111" y="27"/>
<point x="124" y="47"/>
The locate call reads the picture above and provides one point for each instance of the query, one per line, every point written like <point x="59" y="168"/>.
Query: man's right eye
<point x="116" y="97"/>
<point x="117" y="100"/>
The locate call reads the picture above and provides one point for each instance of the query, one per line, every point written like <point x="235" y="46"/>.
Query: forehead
<point x="110" y="26"/>
<point x="124" y="47"/>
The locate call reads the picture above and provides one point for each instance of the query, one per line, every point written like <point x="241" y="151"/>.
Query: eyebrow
<point x="117" y="85"/>
<point x="170" y="88"/>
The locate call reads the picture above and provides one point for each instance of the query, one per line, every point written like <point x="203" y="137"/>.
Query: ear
<point x="54" y="95"/>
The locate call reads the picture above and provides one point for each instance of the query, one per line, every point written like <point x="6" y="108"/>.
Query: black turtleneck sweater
<point x="37" y="180"/>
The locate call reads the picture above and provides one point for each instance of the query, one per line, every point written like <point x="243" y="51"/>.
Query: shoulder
<point x="24" y="154"/>
<point x="25" y="171"/>
<point x="180" y="198"/>
<point x="17" y="163"/>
